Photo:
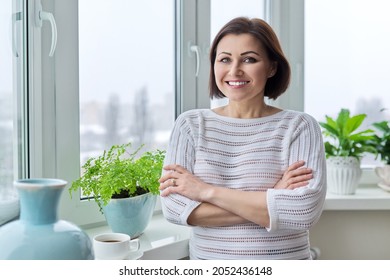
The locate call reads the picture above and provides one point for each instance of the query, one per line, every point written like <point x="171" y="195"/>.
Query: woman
<point x="249" y="178"/>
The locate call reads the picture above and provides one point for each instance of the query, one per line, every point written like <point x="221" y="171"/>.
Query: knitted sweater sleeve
<point x="181" y="150"/>
<point x="300" y="208"/>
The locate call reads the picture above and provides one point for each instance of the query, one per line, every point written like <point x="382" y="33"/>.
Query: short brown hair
<point x="262" y="31"/>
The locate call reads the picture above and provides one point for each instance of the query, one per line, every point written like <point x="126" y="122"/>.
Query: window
<point x="13" y="141"/>
<point x="347" y="58"/>
<point x="124" y="83"/>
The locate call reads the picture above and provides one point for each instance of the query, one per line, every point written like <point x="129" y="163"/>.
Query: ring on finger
<point x="173" y="181"/>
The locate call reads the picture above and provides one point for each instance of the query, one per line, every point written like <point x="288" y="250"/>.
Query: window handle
<point x="196" y="50"/>
<point x="16" y="17"/>
<point x="40" y="16"/>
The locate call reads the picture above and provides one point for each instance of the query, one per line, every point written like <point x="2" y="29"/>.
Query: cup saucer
<point x="384" y="186"/>
<point x="134" y="255"/>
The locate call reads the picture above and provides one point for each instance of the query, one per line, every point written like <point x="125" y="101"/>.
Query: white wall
<point x="352" y="235"/>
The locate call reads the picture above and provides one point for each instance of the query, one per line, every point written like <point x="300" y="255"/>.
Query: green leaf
<point x="331" y="122"/>
<point x="353" y="123"/>
<point x="342" y="119"/>
<point x="330" y="129"/>
<point x="382" y="126"/>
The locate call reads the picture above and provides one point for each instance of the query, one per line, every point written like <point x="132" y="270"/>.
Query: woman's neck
<point x="246" y="112"/>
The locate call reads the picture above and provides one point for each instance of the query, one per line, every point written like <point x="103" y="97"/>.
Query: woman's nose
<point x="235" y="69"/>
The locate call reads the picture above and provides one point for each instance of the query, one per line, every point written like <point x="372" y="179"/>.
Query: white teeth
<point x="236" y="83"/>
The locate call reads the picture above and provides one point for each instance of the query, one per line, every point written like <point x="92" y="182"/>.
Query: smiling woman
<point x="265" y="50"/>
<point x="248" y="176"/>
<point x="239" y="69"/>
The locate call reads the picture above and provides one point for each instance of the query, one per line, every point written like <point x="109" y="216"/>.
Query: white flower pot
<point x="343" y="174"/>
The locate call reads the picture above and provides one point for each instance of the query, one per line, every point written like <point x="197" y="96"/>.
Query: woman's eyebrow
<point x="227" y="53"/>
<point x="248" y="52"/>
<point x="244" y="53"/>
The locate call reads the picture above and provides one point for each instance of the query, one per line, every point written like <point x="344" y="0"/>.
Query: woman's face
<point x="242" y="67"/>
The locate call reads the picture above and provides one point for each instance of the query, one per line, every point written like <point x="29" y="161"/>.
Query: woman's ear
<point x="274" y="68"/>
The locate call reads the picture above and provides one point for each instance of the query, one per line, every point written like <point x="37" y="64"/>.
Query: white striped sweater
<point x="250" y="155"/>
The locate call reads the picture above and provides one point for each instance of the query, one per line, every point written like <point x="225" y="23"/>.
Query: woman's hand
<point x="295" y="176"/>
<point x="179" y="180"/>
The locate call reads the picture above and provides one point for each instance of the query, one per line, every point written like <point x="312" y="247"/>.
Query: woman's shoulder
<point x="194" y="114"/>
<point x="299" y="115"/>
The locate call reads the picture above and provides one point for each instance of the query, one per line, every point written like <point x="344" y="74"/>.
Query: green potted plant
<point x="124" y="185"/>
<point x="383" y="149"/>
<point x="344" y="147"/>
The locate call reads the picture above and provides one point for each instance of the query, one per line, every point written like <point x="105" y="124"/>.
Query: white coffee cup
<point x="384" y="174"/>
<point x="114" y="246"/>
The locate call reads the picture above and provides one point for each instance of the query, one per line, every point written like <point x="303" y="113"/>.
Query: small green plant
<point x="383" y="140"/>
<point x="346" y="142"/>
<point x="117" y="174"/>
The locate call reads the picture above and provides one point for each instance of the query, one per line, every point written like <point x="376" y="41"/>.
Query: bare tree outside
<point x="142" y="127"/>
<point x="111" y="121"/>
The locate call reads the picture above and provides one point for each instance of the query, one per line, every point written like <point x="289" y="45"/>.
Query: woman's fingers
<point x="167" y="176"/>
<point x="299" y="172"/>
<point x="174" y="171"/>
<point x="295" y="176"/>
<point x="175" y="167"/>
<point x="299" y="181"/>
<point x="295" y="165"/>
<point x="171" y="178"/>
<point x="297" y="185"/>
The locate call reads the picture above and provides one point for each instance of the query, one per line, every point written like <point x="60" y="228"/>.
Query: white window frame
<point x="54" y="115"/>
<point x="287" y="19"/>
<point x="193" y="29"/>
<point x="20" y="20"/>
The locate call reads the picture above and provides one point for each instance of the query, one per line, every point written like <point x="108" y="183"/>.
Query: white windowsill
<point x="367" y="197"/>
<point x="163" y="240"/>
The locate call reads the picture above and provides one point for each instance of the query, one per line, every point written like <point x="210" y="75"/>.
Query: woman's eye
<point x="225" y="60"/>
<point x="250" y="60"/>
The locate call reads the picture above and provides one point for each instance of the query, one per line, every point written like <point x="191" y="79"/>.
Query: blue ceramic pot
<point x="130" y="215"/>
<point x="38" y="234"/>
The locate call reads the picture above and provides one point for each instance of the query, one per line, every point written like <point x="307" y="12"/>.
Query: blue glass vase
<point x="39" y="234"/>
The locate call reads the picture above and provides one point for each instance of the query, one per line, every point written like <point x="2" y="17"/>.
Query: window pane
<point x="6" y="99"/>
<point x="126" y="67"/>
<point x="12" y="85"/>
<point x="347" y="58"/>
<point x="224" y="10"/>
